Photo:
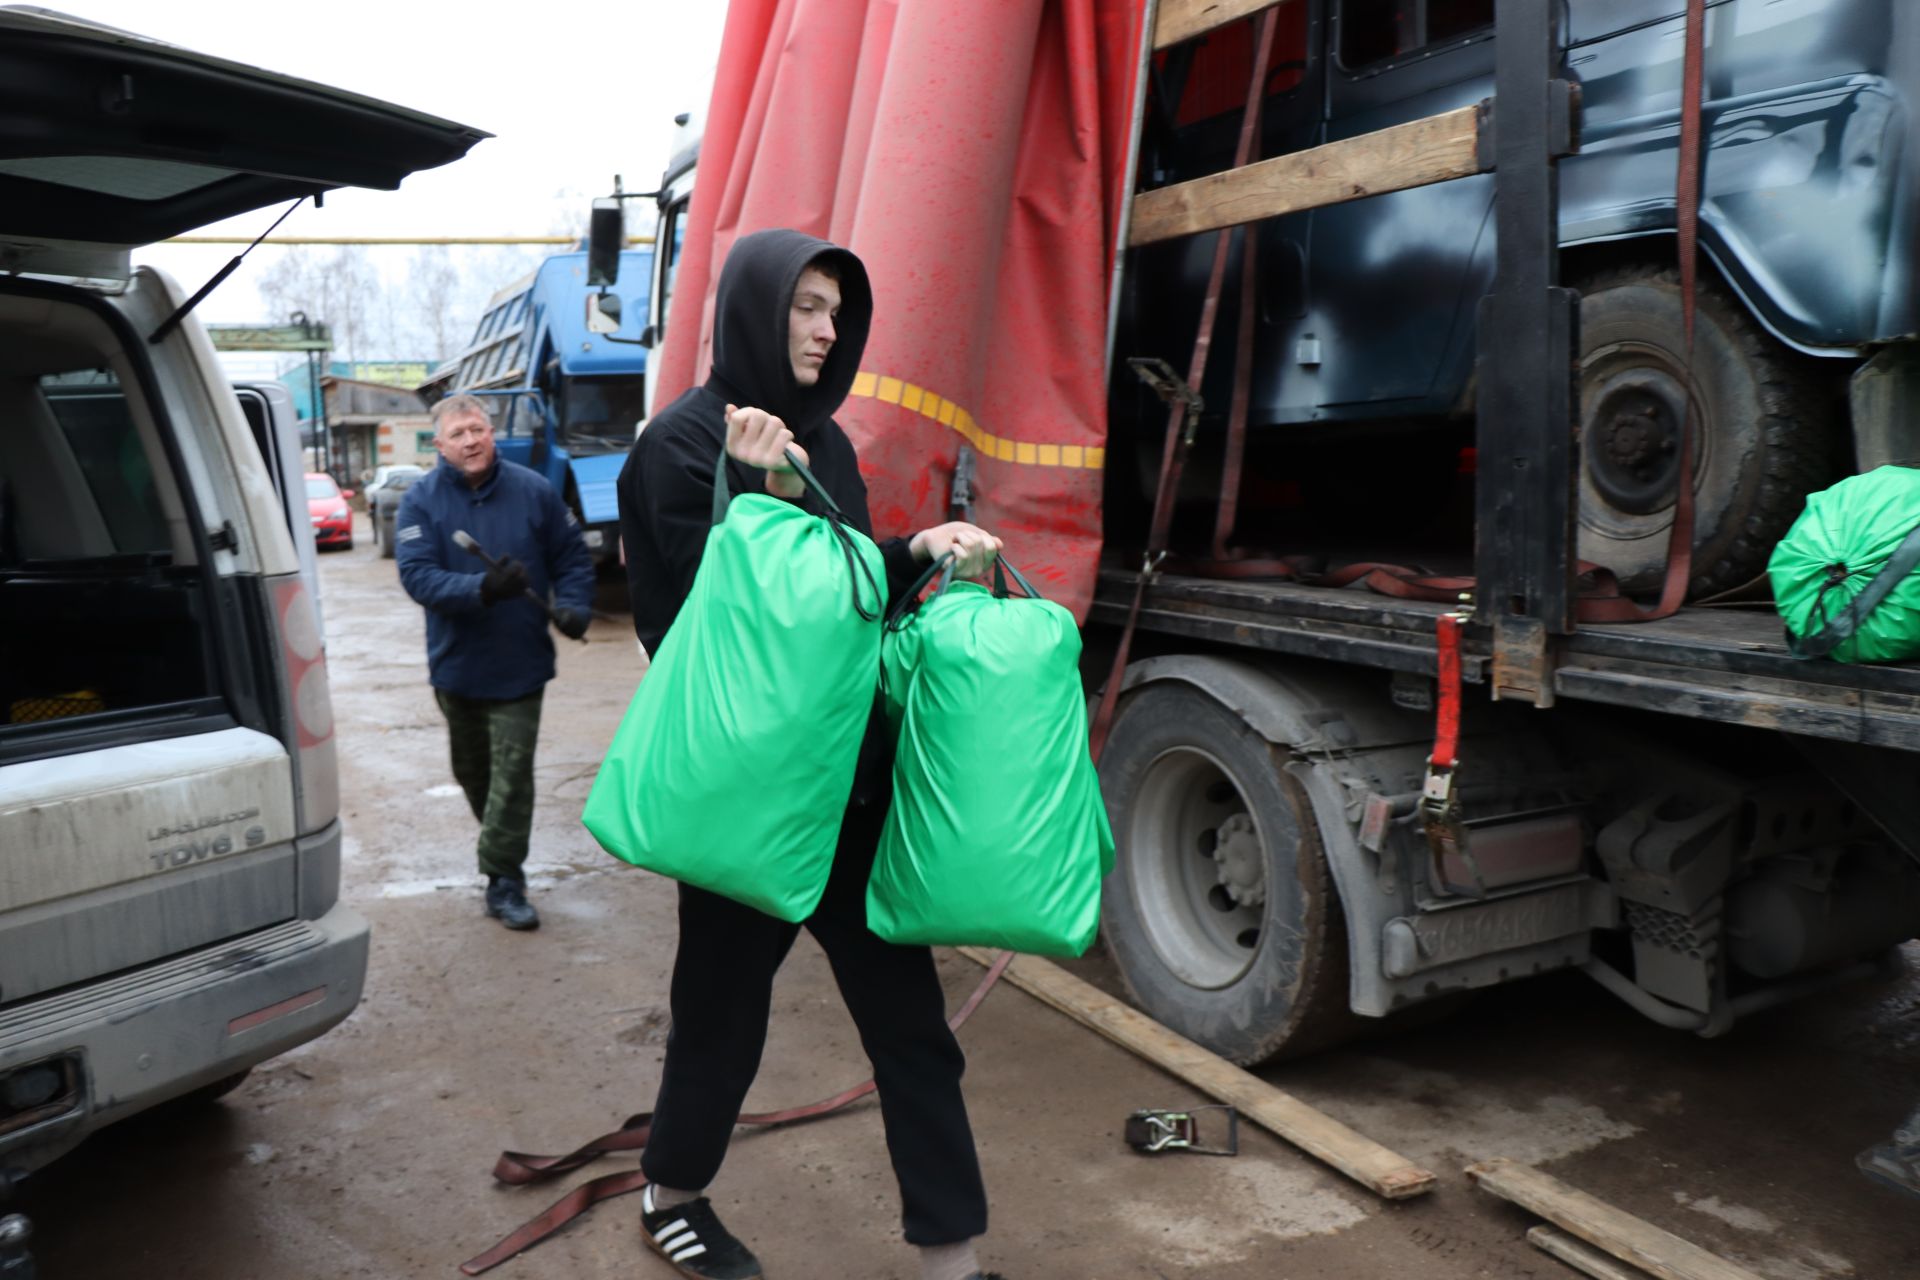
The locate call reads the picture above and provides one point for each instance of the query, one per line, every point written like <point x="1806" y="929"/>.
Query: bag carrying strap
<point x="517" y="1168"/>
<point x="942" y="569"/>
<point x="1027" y="589"/>
<point x="857" y="566"/>
<point x="910" y="599"/>
<point x="1837" y="629"/>
<point x="723" y="495"/>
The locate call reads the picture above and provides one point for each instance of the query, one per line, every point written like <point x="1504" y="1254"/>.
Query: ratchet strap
<point x="517" y="1168"/>
<point x="1152" y="1132"/>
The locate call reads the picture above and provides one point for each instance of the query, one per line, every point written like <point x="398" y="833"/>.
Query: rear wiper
<point x="172" y="322"/>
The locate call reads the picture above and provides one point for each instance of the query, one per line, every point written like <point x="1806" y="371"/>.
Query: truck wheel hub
<point x="1242" y="869"/>
<point x="1632" y="439"/>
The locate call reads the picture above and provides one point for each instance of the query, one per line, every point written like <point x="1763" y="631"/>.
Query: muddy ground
<point x="366" y="1153"/>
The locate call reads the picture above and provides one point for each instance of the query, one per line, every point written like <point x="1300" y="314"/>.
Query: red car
<point x="327" y="508"/>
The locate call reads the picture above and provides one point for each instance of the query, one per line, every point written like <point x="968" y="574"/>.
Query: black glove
<point x="503" y="581"/>
<point x="572" y="622"/>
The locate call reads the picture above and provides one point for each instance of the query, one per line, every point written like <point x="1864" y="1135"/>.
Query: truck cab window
<point x="1377" y="31"/>
<point x="602" y="409"/>
<point x="1215" y="82"/>
<point x="673" y="236"/>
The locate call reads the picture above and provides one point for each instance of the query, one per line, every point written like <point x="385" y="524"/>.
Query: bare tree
<point x="572" y="212"/>
<point x="440" y="323"/>
<point x="342" y="290"/>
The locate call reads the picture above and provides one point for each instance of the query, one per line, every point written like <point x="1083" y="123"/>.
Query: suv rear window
<point x="106" y="613"/>
<point x="93" y="416"/>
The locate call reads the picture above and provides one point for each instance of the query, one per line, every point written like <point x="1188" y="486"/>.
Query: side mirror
<point x="606" y="237"/>
<point x="347" y="494"/>
<point x="603" y="313"/>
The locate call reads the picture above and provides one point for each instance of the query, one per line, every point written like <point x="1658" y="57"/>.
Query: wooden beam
<point x="1580" y="1255"/>
<point x="1414" y="154"/>
<point x="1181" y="20"/>
<point x="1318" y="1134"/>
<point x="1659" y="1253"/>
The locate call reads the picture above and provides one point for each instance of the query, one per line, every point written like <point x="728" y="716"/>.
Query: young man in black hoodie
<point x="790" y="322"/>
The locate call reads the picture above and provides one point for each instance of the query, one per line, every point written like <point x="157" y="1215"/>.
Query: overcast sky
<point x="574" y="94"/>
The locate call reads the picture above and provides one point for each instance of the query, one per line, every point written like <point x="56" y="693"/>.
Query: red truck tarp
<point x="975" y="156"/>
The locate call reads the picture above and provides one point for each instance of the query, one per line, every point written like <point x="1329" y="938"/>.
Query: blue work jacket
<point x="475" y="650"/>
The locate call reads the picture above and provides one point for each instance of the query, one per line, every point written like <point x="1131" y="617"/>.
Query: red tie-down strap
<point x="1446" y="736"/>
<point x="518" y="1168"/>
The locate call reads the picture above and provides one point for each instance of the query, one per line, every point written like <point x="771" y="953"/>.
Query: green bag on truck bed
<point x="1843" y="577"/>
<point x="733" y="764"/>
<point x="997" y="835"/>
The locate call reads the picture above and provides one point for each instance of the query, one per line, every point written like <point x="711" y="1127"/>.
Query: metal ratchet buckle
<point x="1151" y="1132"/>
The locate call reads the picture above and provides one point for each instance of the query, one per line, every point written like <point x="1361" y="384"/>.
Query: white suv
<point x="169" y="809"/>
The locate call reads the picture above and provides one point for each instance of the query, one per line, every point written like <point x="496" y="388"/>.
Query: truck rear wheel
<point x="1221" y="911"/>
<point x="1761" y="432"/>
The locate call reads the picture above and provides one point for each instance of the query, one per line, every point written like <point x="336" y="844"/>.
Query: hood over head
<point x="751" y="366"/>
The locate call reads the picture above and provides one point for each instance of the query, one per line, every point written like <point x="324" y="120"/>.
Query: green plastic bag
<point x="733" y="764"/>
<point x="997" y="835"/>
<point x="1843" y="577"/>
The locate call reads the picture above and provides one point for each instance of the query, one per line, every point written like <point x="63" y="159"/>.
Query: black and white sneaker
<point x="689" y="1236"/>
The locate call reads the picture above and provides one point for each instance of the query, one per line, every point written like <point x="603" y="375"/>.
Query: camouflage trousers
<point x="492" y="744"/>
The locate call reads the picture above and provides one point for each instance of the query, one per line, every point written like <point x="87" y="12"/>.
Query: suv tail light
<point x="310" y="705"/>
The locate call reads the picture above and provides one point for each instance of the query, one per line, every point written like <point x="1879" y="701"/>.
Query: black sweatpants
<point x="722" y="991"/>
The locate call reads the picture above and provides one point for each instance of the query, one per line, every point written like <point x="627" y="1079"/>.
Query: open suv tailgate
<point x="112" y="138"/>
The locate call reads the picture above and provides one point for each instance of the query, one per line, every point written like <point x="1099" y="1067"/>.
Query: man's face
<point x="465" y="440"/>
<point x="810" y="331"/>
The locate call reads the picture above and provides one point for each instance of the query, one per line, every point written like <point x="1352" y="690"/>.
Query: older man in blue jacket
<point x="489" y="656"/>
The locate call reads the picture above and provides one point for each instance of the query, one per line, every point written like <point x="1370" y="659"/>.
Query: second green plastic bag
<point x="997" y="836"/>
<point x="1843" y="577"/>
<point x="732" y="766"/>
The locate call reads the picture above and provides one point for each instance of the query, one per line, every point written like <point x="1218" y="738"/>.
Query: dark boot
<point x="507" y="902"/>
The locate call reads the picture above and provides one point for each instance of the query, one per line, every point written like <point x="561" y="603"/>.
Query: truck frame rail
<point x="1721" y="664"/>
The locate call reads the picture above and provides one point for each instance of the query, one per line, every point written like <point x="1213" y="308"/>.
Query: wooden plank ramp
<point x="1580" y="1255"/>
<point x="1633" y="1240"/>
<point x="1373" y="1166"/>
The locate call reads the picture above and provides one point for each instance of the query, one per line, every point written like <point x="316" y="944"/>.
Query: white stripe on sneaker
<point x="692" y="1251"/>
<point x="672" y="1228"/>
<point x="671" y="1239"/>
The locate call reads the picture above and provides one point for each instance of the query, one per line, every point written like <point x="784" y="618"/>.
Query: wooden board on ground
<point x="1580" y="1255"/>
<point x="1373" y="1166"/>
<point x="1414" y="154"/>
<point x="1659" y="1253"/>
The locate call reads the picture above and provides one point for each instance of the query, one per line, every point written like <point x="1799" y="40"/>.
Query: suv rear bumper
<point x="129" y="1042"/>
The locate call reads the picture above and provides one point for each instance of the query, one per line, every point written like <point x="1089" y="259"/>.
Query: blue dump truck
<point x="567" y="398"/>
